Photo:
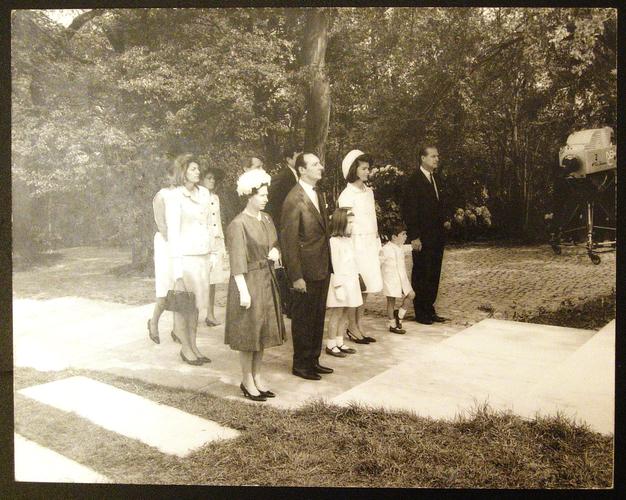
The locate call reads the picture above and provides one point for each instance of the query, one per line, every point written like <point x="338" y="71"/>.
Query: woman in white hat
<point x="360" y="198"/>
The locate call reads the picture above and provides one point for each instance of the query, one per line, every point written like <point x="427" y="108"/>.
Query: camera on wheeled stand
<point x="585" y="193"/>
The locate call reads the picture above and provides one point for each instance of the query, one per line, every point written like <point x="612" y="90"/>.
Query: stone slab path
<point x="522" y="367"/>
<point x="437" y="370"/>
<point x="34" y="463"/>
<point x="168" y="429"/>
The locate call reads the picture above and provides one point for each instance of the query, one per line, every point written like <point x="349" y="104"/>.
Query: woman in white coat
<point x="360" y="199"/>
<point x="218" y="272"/>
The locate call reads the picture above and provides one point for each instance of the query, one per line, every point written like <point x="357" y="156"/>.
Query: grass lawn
<point x="326" y="445"/>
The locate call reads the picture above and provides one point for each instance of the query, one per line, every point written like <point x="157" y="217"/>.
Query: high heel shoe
<point x="356" y="339"/>
<point x="154" y="338"/>
<point x="346" y="349"/>
<point x="194" y="362"/>
<point x="267" y="394"/>
<point x="204" y="359"/>
<point x="175" y="338"/>
<point x="247" y="394"/>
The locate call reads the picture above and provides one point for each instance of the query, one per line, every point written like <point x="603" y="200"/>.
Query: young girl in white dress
<point x="344" y="292"/>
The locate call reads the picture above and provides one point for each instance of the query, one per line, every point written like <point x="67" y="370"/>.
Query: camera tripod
<point x="589" y="196"/>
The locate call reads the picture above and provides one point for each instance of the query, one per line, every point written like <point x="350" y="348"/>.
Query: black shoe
<point x="356" y="339"/>
<point x="394" y="329"/>
<point x="194" y="362"/>
<point x="424" y="321"/>
<point x="246" y="394"/>
<point x="337" y="353"/>
<point x="175" y="338"/>
<point x="347" y="350"/>
<point x="306" y="374"/>
<point x="155" y="337"/>
<point x="267" y="394"/>
<point x="322" y="369"/>
<point x="369" y="339"/>
<point x="438" y="319"/>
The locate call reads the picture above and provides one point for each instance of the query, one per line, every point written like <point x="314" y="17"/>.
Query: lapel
<point x="309" y="204"/>
<point x="426" y="184"/>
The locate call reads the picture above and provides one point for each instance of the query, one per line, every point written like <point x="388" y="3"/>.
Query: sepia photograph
<point x="328" y="247"/>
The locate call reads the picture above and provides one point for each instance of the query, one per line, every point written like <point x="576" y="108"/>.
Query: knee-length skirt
<point x="261" y="325"/>
<point x="196" y="277"/>
<point x="162" y="266"/>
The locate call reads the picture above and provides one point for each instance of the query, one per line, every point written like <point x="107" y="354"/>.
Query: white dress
<point x="345" y="274"/>
<point x="364" y="234"/>
<point x="395" y="278"/>
<point x="162" y="263"/>
<point x="220" y="272"/>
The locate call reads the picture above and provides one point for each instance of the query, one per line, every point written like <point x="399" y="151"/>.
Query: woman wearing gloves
<point x="254" y="319"/>
<point x="187" y="217"/>
<point x="360" y="199"/>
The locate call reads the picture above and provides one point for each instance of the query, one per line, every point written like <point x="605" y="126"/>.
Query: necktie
<point x="432" y="181"/>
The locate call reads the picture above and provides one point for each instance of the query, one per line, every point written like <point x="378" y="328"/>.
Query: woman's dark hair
<point x="352" y="177"/>
<point x="181" y="164"/>
<point x="339" y="221"/>
<point x="217" y="173"/>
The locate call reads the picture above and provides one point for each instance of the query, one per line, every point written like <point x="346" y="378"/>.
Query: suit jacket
<point x="304" y="237"/>
<point x="282" y="182"/>
<point x="422" y="212"/>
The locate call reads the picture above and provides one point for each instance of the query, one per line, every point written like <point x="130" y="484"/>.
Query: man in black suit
<point x="282" y="182"/>
<point x="422" y="211"/>
<point x="306" y="256"/>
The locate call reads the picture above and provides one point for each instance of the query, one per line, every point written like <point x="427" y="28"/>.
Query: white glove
<point x="274" y="254"/>
<point x="244" y="294"/>
<point x="245" y="300"/>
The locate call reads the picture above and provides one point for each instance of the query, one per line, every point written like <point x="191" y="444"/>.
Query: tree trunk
<point x="318" y="99"/>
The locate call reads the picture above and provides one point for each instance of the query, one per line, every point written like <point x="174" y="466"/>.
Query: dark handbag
<point x="180" y="301"/>
<point x="283" y="288"/>
<point x="362" y="283"/>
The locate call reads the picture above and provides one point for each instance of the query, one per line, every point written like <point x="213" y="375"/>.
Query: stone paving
<point x="505" y="279"/>
<point x="511" y="279"/>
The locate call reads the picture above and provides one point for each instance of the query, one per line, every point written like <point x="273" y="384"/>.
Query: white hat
<point x="349" y="160"/>
<point x="251" y="180"/>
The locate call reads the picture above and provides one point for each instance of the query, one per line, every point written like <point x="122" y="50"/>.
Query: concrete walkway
<point x="437" y="370"/>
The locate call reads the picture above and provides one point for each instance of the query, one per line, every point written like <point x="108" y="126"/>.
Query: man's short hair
<point x="300" y="162"/>
<point x="289" y="150"/>
<point x="423" y="151"/>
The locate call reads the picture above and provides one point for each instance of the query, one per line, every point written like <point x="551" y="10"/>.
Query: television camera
<point x="586" y="189"/>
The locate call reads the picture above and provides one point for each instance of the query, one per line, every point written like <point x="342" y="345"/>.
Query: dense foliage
<point x="101" y="106"/>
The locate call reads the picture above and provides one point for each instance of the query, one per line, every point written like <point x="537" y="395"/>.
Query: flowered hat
<point x="251" y="180"/>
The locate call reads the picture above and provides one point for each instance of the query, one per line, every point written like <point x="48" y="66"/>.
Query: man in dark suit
<point x="422" y="211"/>
<point x="282" y="182"/>
<point x="306" y="256"/>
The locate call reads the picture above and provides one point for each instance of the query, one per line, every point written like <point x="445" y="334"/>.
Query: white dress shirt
<point x="431" y="179"/>
<point x="311" y="193"/>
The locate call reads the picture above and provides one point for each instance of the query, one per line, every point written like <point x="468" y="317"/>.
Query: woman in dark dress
<point x="253" y="311"/>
